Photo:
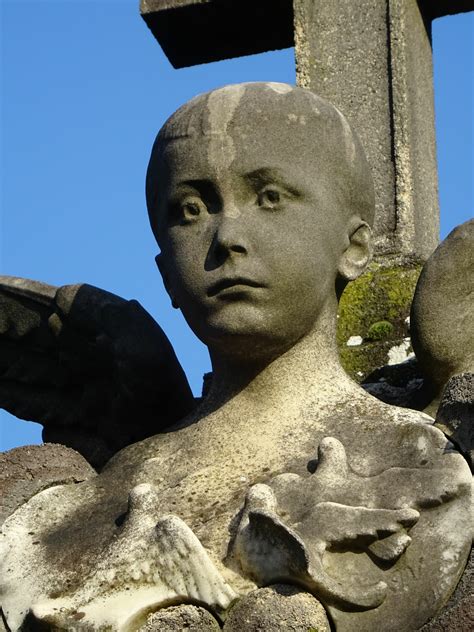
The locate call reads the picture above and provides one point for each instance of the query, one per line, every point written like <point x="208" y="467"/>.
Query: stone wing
<point x="94" y="369"/>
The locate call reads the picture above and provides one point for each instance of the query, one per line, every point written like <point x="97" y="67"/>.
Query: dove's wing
<point x="94" y="369"/>
<point x="146" y="565"/>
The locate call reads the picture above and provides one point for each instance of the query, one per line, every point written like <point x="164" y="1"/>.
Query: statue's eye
<point x="191" y="209"/>
<point x="269" y="198"/>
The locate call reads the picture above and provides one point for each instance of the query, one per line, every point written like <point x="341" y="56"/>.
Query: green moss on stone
<point x="376" y="303"/>
<point x="380" y="330"/>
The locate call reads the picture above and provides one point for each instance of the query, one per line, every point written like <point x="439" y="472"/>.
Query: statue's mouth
<point x="232" y="283"/>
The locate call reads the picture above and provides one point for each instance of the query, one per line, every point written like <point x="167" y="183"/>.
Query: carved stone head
<point x="260" y="198"/>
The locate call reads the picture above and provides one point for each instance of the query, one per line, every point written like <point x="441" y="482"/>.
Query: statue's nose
<point x="230" y="238"/>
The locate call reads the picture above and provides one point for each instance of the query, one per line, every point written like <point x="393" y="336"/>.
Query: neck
<point x="309" y="369"/>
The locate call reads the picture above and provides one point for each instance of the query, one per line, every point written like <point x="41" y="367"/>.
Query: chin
<point x="248" y="344"/>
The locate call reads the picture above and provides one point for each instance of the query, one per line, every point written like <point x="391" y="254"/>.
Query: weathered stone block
<point x="179" y="618"/>
<point x="278" y="607"/>
<point x="26" y="471"/>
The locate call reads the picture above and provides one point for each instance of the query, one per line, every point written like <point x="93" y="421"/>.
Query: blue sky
<point x="85" y="88"/>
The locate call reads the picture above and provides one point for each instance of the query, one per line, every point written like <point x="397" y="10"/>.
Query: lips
<point x="224" y="284"/>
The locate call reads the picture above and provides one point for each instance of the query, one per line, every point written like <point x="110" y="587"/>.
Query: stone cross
<point x="371" y="58"/>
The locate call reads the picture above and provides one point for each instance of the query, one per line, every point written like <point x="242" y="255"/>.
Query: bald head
<point x="294" y="126"/>
<point x="263" y="186"/>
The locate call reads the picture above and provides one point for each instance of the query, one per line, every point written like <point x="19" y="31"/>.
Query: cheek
<point x="191" y="240"/>
<point x="186" y="260"/>
<point x="309" y="260"/>
<point x="308" y="279"/>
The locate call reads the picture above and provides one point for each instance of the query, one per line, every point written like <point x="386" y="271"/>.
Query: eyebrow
<point x="205" y="187"/>
<point x="197" y="183"/>
<point x="257" y="178"/>
<point x="266" y="175"/>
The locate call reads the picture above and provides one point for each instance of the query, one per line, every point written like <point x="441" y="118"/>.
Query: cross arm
<point x="198" y="31"/>
<point x="439" y="8"/>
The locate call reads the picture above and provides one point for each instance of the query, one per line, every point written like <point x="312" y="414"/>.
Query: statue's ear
<point x="164" y="276"/>
<point x="358" y="254"/>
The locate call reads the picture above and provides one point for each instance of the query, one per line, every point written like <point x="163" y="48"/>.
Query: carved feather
<point x="94" y="369"/>
<point x="148" y="564"/>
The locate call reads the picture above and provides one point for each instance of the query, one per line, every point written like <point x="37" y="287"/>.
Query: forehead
<point x="242" y="129"/>
<point x="218" y="158"/>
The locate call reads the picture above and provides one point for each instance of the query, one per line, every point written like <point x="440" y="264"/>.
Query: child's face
<point x="250" y="235"/>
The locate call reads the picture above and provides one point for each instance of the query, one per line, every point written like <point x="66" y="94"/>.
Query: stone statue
<point x="287" y="473"/>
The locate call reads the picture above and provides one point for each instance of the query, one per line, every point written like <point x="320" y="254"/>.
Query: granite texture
<point x="373" y="60"/>
<point x="28" y="470"/>
<point x="455" y="415"/>
<point x="182" y="618"/>
<point x="458" y="614"/>
<point x="279" y="607"/>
